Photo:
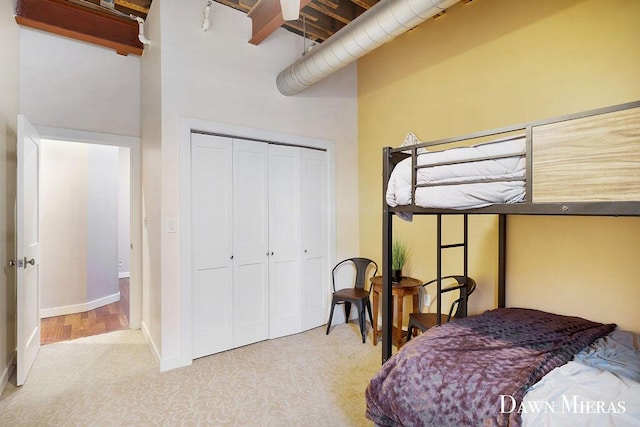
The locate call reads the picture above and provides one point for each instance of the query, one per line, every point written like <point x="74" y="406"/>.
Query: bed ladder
<point x="441" y="248"/>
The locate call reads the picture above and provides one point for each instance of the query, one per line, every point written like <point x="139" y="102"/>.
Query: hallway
<point x="111" y="317"/>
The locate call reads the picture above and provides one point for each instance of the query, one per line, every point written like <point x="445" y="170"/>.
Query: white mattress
<point x="452" y="190"/>
<point x="600" y="387"/>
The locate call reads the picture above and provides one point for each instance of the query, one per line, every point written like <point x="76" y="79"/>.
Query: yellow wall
<point x="493" y="63"/>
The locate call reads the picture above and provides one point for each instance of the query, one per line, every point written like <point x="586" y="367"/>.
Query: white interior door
<point x="284" y="241"/>
<point x="28" y="248"/>
<point x="250" y="241"/>
<point x="212" y="288"/>
<point x="315" y="270"/>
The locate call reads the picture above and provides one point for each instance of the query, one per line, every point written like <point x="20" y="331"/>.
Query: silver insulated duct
<point x="377" y="26"/>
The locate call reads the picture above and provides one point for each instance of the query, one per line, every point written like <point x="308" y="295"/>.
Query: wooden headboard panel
<point x="603" y="152"/>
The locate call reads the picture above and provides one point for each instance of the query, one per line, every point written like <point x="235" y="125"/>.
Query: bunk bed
<point x="581" y="164"/>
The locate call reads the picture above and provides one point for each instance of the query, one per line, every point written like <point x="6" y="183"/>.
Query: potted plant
<point x="399" y="257"/>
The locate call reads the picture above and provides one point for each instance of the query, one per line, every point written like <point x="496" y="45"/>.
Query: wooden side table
<point x="407" y="286"/>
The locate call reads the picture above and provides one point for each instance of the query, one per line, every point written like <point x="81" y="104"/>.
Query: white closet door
<point x="315" y="269"/>
<point x="284" y="241"/>
<point x="212" y="287"/>
<point x="250" y="241"/>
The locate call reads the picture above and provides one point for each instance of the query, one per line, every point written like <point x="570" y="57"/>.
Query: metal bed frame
<point x="392" y="156"/>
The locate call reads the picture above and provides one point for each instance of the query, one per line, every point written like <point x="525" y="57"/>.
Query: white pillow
<point x="412" y="139"/>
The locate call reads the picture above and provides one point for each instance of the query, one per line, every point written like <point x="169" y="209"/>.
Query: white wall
<point x="79" y="226"/>
<point x="151" y="101"/>
<point x="85" y="93"/>
<point x="9" y="46"/>
<point x="63" y="200"/>
<point x="75" y="85"/>
<point x="124" y="212"/>
<point x="102" y="223"/>
<point x="218" y="76"/>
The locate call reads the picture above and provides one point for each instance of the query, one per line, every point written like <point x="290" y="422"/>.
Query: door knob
<point x="32" y="261"/>
<point x="18" y="263"/>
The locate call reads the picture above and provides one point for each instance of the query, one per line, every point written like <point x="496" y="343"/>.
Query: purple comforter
<point x="455" y="374"/>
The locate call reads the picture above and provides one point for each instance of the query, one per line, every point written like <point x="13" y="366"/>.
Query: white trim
<point x="134" y="144"/>
<point x="171" y="363"/>
<point x="79" y="308"/>
<point x="72" y="135"/>
<point x="150" y="342"/>
<point x="124" y="274"/>
<point x="185" y="126"/>
<point x="6" y="374"/>
<point x="165" y="364"/>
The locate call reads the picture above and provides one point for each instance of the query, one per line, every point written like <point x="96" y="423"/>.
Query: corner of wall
<point x="152" y="345"/>
<point x="6" y="373"/>
<point x="9" y="102"/>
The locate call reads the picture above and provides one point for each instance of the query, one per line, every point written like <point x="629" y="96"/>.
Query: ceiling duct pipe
<point x="377" y="26"/>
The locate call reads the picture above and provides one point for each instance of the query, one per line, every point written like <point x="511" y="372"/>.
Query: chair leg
<point x="409" y="331"/>
<point x="347" y="311"/>
<point x="330" y="317"/>
<point x="370" y="315"/>
<point x="363" y="322"/>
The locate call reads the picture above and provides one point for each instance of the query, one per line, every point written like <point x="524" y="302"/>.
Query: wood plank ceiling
<point x="87" y="20"/>
<point x="319" y="19"/>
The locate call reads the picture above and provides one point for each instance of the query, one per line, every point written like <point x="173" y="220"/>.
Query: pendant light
<point x="290" y="9"/>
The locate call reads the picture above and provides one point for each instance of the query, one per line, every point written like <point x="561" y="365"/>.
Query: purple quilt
<point x="455" y="374"/>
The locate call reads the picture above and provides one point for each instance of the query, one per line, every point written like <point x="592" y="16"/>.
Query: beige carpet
<point x="309" y="379"/>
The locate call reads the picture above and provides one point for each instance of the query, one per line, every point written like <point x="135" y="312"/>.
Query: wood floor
<point x="111" y="317"/>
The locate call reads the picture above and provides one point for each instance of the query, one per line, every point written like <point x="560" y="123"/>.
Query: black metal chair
<point x="357" y="295"/>
<point x="424" y="321"/>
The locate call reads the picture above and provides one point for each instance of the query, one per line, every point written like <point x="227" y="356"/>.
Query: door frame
<point x="133" y="143"/>
<point x="187" y="125"/>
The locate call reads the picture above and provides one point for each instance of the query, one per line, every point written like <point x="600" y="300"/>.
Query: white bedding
<point x="456" y="194"/>
<point x="600" y="387"/>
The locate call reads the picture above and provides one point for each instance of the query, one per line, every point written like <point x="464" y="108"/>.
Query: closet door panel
<point x="212" y="324"/>
<point x="211" y="199"/>
<point x="251" y="241"/>
<point x="314" y="293"/>
<point x="315" y="283"/>
<point x="284" y="241"/>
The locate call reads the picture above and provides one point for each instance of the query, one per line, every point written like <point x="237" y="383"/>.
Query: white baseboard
<point x="152" y="344"/>
<point x="165" y="364"/>
<point x="6" y="373"/>
<point x="124" y="275"/>
<point x="79" y="308"/>
<point x="172" y="363"/>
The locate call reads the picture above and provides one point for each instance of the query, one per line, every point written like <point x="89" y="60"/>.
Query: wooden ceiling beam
<point x="80" y="23"/>
<point x="310" y="17"/>
<point x="312" y="32"/>
<point x="329" y="3"/>
<point x="132" y="6"/>
<point x="317" y="18"/>
<point x="235" y="5"/>
<point x="248" y="4"/>
<point x="365" y="4"/>
<point x="266" y="18"/>
<point x="122" y="6"/>
<point x="343" y="13"/>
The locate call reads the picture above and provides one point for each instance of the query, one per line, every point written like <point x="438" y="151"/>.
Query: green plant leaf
<point x="399" y="254"/>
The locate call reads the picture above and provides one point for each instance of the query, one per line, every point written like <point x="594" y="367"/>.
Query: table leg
<point x="376" y="301"/>
<point x="399" y="304"/>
